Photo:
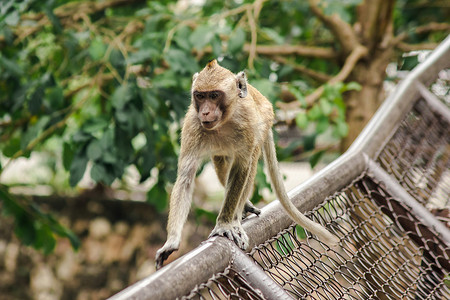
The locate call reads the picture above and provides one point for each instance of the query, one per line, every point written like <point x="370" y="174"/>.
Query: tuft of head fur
<point x="212" y="77"/>
<point x="212" y="63"/>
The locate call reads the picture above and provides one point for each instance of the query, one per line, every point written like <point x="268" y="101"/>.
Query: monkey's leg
<point x="222" y="166"/>
<point x="249" y="188"/>
<point x="229" y="220"/>
<point x="180" y="203"/>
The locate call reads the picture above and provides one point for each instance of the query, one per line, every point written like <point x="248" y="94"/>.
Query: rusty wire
<point x="385" y="253"/>
<point x="418" y="156"/>
<point x="226" y="285"/>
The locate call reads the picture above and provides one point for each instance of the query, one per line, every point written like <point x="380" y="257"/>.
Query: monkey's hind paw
<point x="249" y="208"/>
<point x="233" y="233"/>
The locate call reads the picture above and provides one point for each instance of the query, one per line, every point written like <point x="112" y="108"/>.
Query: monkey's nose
<point x="206" y="113"/>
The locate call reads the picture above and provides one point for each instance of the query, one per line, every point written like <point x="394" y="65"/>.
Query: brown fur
<point x="234" y="143"/>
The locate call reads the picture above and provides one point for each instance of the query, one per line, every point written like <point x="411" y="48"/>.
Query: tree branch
<point x="252" y="16"/>
<point x="405" y="47"/>
<point x="375" y="22"/>
<point x="317" y="52"/>
<point x="252" y="49"/>
<point x="349" y="64"/>
<point x="67" y="12"/>
<point x="431" y="27"/>
<point x="319" y="76"/>
<point x="342" y="30"/>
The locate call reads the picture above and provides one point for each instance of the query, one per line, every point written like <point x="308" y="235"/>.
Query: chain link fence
<point x="386" y="198"/>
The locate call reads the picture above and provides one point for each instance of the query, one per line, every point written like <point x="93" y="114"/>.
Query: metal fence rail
<point x="380" y="198"/>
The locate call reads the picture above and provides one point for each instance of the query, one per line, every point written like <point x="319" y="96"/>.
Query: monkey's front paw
<point x="233" y="232"/>
<point x="163" y="253"/>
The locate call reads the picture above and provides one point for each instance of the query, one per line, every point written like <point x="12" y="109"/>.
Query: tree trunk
<point x="374" y="28"/>
<point x="361" y="105"/>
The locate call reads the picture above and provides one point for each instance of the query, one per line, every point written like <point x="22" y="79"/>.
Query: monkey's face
<point x="215" y="91"/>
<point x="209" y="107"/>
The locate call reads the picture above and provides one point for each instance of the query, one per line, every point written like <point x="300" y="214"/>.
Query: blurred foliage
<point x="109" y="82"/>
<point x="32" y="226"/>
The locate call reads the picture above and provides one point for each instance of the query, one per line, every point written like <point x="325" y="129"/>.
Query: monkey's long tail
<point x="271" y="162"/>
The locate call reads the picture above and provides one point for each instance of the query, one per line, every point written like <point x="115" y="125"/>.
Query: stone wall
<point x="119" y="242"/>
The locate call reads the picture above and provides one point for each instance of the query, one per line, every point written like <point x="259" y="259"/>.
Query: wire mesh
<point x="226" y="285"/>
<point x="385" y="254"/>
<point x="418" y="156"/>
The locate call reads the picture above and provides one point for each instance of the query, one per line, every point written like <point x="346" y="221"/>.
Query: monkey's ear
<point x="241" y="82"/>
<point x="194" y="77"/>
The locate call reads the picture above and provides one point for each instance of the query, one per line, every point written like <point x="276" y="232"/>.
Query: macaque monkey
<point x="231" y="122"/>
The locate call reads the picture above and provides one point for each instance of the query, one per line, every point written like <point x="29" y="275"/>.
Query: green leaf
<point x="121" y="96"/>
<point x="284" y="244"/>
<point x="216" y="44"/>
<point x="97" y="49"/>
<point x="301" y="234"/>
<point x="140" y="56"/>
<point x="296" y="92"/>
<point x="81" y="137"/>
<point x="100" y="174"/>
<point x="24" y="229"/>
<point x="55" y="97"/>
<point x="200" y="212"/>
<point x="322" y="125"/>
<point x="35" y="102"/>
<point x="352" y="86"/>
<point x="409" y="62"/>
<point x="314" y="113"/>
<point x="265" y="87"/>
<point x="117" y="60"/>
<point x="341" y="129"/>
<point x="13" y="18"/>
<point x="274" y="35"/>
<point x="301" y="120"/>
<point x="94" y="125"/>
<point x="201" y="36"/>
<point x="12" y="146"/>
<point x="150" y="99"/>
<point x="182" y="62"/>
<point x="34" y="131"/>
<point x="67" y="156"/>
<point x="309" y="142"/>
<point x="157" y="196"/>
<point x="53" y="19"/>
<point x="11" y="66"/>
<point x="77" y="168"/>
<point x="94" y="150"/>
<point x="123" y="116"/>
<point x="325" y="106"/>
<point x="314" y="159"/>
<point x="74" y="240"/>
<point x="236" y="41"/>
<point x="44" y="238"/>
<point x="181" y="40"/>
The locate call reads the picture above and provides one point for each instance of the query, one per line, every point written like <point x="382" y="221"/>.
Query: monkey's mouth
<point x="209" y="124"/>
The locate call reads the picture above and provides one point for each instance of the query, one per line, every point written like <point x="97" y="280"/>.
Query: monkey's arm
<point x="180" y="203"/>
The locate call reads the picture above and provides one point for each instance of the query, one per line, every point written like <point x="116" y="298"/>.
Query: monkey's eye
<point x="214" y="95"/>
<point x="199" y="96"/>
